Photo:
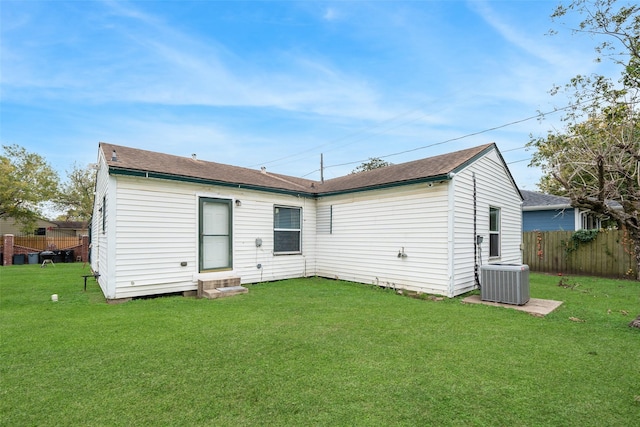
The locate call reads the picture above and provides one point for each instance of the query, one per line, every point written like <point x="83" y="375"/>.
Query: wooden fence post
<point x="85" y="248"/>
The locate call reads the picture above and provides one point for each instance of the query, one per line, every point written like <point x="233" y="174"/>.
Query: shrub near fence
<point x="610" y="254"/>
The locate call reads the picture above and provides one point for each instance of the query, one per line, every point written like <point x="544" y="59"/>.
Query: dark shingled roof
<point x="538" y="200"/>
<point x="136" y="162"/>
<point x="417" y="170"/>
<point x="73" y="225"/>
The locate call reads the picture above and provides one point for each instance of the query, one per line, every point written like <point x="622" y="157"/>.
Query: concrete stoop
<point x="224" y="292"/>
<point x="220" y="288"/>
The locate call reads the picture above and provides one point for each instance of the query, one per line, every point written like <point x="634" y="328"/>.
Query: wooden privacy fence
<point x="610" y="254"/>
<point x="20" y="249"/>
<point x="42" y="243"/>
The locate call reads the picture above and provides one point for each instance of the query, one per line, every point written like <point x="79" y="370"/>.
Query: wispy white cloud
<point x="331" y="14"/>
<point x="530" y="43"/>
<point x="560" y="54"/>
<point x="351" y="79"/>
<point x="167" y="66"/>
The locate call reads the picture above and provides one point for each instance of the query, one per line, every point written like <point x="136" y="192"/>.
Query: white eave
<point x="546" y="208"/>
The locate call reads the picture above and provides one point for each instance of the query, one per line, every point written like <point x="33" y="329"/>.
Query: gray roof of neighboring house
<point x="73" y="225"/>
<point x="132" y="161"/>
<point x="534" y="200"/>
<point x="538" y="201"/>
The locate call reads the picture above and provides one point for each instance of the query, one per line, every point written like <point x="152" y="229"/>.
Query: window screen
<point x="286" y="229"/>
<point x="494" y="232"/>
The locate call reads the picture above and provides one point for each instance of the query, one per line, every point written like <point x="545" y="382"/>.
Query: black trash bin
<point x="68" y="255"/>
<point x="58" y="256"/>
<point x="18" y="259"/>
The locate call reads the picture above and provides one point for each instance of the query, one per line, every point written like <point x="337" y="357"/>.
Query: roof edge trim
<point x="443" y="177"/>
<point x="180" y="178"/>
<point x="487" y="149"/>
<point x="546" y="208"/>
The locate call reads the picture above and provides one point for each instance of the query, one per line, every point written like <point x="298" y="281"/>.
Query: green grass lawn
<point x="314" y="352"/>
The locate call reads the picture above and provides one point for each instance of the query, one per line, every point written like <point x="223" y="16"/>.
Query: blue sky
<point x="275" y="84"/>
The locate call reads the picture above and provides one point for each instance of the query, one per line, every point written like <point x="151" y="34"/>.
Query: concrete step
<point x="204" y="285"/>
<point x="224" y="292"/>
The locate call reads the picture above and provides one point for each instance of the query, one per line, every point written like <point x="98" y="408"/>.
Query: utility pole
<point x="321" y="168"/>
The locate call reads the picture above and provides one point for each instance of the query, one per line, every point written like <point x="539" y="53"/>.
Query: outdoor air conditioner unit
<point x="506" y="283"/>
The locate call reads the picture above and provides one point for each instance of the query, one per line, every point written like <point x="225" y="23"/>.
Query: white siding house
<point x="162" y="222"/>
<point x="421" y="236"/>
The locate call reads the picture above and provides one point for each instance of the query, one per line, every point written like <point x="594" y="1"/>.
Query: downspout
<point x="451" y="236"/>
<point x="475" y="232"/>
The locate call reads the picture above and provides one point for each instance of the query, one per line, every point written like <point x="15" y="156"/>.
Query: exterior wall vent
<point x="505" y="283"/>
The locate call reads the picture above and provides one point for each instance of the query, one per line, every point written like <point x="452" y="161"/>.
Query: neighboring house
<point x="43" y="227"/>
<point x="161" y="223"/>
<point x="72" y="228"/>
<point x="68" y="239"/>
<point x="10" y="226"/>
<point x="544" y="212"/>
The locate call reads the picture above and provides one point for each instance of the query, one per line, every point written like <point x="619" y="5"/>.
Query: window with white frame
<point x="287" y="227"/>
<point x="589" y="221"/>
<point x="494" y="232"/>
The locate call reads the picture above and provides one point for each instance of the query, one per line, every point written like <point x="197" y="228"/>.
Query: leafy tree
<point x="76" y="194"/>
<point x="26" y="182"/>
<point x="372" y="163"/>
<point x="595" y="159"/>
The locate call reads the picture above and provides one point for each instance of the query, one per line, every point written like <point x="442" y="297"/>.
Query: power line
<point x="355" y="133"/>
<point x="513" y="149"/>
<point x="358" y="132"/>
<point x="537" y="116"/>
<point x="518" y="161"/>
